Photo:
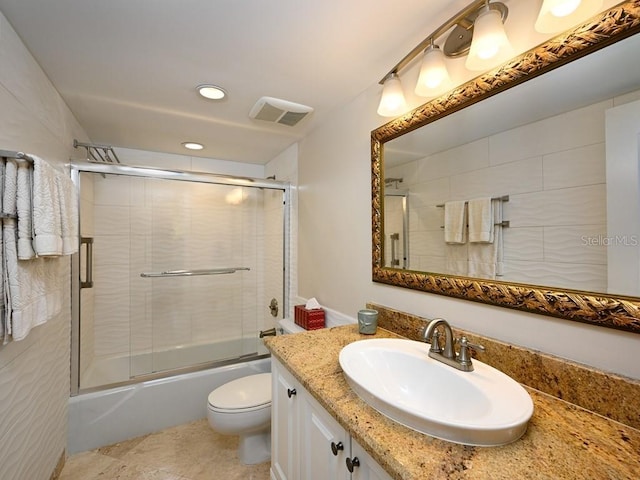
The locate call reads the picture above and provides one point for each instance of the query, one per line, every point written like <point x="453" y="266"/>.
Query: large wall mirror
<point x="551" y="143"/>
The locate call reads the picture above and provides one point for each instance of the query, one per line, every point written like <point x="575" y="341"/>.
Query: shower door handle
<point x="88" y="278"/>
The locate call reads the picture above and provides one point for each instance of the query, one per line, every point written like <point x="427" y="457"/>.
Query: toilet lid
<point x="245" y="392"/>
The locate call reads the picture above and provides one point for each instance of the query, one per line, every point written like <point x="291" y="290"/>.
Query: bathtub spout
<point x="268" y="333"/>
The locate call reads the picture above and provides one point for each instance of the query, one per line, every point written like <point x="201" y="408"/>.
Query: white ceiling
<point x="128" y="68"/>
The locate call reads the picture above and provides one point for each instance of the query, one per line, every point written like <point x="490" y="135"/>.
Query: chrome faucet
<point x="461" y="361"/>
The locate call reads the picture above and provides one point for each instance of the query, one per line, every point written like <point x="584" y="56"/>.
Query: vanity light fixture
<point x="193" y="145"/>
<point x="558" y="15"/>
<point x="434" y="77"/>
<point x="490" y="45"/>
<point x="477" y="29"/>
<point x="392" y="102"/>
<point x="212" y="92"/>
<point x="478" y="32"/>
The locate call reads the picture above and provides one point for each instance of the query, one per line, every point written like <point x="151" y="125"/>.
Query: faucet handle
<point x="464" y="358"/>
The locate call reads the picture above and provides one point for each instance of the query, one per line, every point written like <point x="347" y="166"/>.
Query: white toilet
<point x="243" y="407"/>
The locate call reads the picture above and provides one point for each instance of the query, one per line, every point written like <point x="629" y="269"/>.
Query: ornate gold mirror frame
<point x="608" y="311"/>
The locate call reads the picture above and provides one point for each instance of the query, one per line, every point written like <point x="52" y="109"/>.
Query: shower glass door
<point x="183" y="272"/>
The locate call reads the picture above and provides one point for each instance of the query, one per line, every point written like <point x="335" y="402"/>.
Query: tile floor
<point x="187" y="452"/>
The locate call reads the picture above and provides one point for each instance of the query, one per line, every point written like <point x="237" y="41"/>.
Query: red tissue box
<point x="309" y="319"/>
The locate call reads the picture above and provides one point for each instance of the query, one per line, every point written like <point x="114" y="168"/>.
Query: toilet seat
<point x="242" y="395"/>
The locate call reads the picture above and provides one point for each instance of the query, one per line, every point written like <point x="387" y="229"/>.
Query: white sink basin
<point x="396" y="377"/>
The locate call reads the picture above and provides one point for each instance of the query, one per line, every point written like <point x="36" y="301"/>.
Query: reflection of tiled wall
<point x="543" y="244"/>
<point x="151" y="225"/>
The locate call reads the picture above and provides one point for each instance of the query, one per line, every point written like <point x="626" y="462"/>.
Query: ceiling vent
<point x="280" y="111"/>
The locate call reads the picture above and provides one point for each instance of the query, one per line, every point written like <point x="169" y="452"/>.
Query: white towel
<point x="482" y="260"/>
<point x="456" y="259"/>
<point x="34" y="289"/>
<point x="4" y="328"/>
<point x="23" y="206"/>
<point x="455" y="222"/>
<point x="10" y="187"/>
<point x="69" y="214"/>
<point x="47" y="217"/>
<point x="485" y="259"/>
<point x="480" y="220"/>
<point x="2" y="167"/>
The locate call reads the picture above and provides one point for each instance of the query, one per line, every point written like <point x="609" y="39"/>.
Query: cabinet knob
<point x="336" y="447"/>
<point x="352" y="463"/>
<point x="291" y="392"/>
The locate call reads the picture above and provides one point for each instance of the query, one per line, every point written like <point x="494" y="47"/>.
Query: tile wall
<point x="34" y="372"/>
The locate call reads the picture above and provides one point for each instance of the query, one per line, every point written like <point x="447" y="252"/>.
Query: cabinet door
<point x="367" y="468"/>
<point x="284" y="424"/>
<point x="324" y="443"/>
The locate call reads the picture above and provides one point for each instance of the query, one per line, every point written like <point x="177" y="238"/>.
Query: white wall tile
<point x="465" y="158"/>
<point x="110" y="220"/>
<point x="581" y="206"/>
<point x="564" y="276"/>
<point x="575" y="167"/>
<point x="572" y="245"/>
<point x="581" y="127"/>
<point x="506" y="179"/>
<point x="34" y="393"/>
<point x="525" y="243"/>
<point x="112" y="190"/>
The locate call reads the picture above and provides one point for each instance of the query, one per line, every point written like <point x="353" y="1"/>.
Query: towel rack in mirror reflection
<point x="191" y="273"/>
<point x="504" y="198"/>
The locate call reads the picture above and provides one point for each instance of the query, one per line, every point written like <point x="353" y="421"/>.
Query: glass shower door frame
<point x="77" y="279"/>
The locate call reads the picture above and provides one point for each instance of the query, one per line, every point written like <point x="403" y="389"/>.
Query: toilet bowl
<point x="243" y="407"/>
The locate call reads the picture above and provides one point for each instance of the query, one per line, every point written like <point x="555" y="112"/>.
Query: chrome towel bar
<point x="192" y="273"/>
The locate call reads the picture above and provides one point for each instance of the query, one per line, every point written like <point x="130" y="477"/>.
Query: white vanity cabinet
<point x="317" y="447"/>
<point x="285" y="423"/>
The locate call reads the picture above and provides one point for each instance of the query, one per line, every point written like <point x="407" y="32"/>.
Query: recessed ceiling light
<point x="212" y="92"/>
<point x="192" y="145"/>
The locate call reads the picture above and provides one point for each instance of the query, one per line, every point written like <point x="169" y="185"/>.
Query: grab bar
<point x="191" y="273"/>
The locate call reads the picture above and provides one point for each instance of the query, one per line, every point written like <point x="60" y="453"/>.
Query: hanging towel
<point x="455" y="222"/>
<point x="485" y="259"/>
<point x="498" y="236"/>
<point x="480" y="220"/>
<point x="68" y="214"/>
<point x="4" y="328"/>
<point x="23" y="206"/>
<point x="456" y="259"/>
<point x="47" y="222"/>
<point x="2" y="168"/>
<point x="10" y="187"/>
<point x="34" y="289"/>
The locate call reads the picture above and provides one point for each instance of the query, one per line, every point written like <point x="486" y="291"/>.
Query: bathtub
<point x="116" y="369"/>
<point x="101" y="418"/>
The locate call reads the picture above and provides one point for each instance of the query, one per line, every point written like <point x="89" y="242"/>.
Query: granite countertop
<point x="563" y="441"/>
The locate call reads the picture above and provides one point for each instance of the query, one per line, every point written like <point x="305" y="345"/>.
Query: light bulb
<point x="559" y="15"/>
<point x="434" y="78"/>
<point x="392" y="102"/>
<point x="564" y="7"/>
<point x="489" y="45"/>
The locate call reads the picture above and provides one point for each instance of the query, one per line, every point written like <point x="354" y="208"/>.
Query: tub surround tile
<point x="563" y="441"/>
<point x="607" y="394"/>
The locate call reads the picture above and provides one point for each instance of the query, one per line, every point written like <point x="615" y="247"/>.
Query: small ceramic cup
<point x="367" y="321"/>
